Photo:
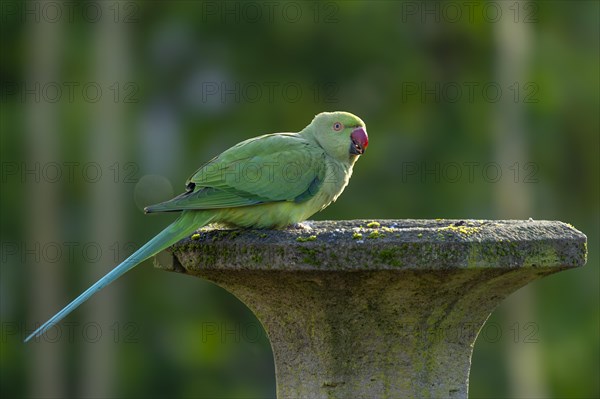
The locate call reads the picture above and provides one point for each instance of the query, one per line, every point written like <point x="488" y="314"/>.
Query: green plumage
<point x="270" y="181"/>
<point x="270" y="168"/>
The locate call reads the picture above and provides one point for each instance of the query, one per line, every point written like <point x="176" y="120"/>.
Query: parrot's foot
<point x="302" y="226"/>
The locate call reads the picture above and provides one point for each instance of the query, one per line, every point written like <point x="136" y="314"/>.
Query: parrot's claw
<point x="302" y="226"/>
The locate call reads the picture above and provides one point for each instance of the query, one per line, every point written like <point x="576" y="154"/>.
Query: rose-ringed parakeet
<point x="269" y="181"/>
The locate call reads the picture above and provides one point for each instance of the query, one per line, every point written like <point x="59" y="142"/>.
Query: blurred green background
<point x="474" y="110"/>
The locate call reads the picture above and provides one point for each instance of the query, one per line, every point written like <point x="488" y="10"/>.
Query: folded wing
<point x="270" y="168"/>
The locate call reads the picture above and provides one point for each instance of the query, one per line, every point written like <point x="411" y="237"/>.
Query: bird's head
<point x="341" y="134"/>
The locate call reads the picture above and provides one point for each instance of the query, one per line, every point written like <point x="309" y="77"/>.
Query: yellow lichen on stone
<point x="305" y="239"/>
<point x="464" y="229"/>
<point x="195" y="236"/>
<point x="373" y="225"/>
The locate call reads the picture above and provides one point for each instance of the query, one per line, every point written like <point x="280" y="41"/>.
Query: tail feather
<point x="185" y="225"/>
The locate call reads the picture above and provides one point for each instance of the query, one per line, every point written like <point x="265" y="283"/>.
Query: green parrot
<point x="269" y="181"/>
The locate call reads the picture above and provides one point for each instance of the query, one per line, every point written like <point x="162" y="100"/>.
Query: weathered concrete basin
<point x="391" y="309"/>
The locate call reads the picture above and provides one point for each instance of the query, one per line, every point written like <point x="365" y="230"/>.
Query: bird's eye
<point x="338" y="126"/>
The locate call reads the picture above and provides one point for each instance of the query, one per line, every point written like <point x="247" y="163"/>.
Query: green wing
<point x="270" y="168"/>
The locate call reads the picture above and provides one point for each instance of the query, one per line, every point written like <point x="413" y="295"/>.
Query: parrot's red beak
<point x="360" y="141"/>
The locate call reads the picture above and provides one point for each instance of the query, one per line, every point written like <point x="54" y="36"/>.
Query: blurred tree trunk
<point x="513" y="196"/>
<point x="107" y="146"/>
<point x="43" y="138"/>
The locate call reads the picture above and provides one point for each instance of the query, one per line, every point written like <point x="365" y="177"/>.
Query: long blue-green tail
<point x="187" y="223"/>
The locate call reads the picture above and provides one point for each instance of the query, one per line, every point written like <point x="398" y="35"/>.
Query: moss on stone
<point x="306" y="239"/>
<point x="311" y="256"/>
<point x="375" y="235"/>
<point x="389" y="256"/>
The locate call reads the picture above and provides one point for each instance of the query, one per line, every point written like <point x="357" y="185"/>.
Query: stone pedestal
<point x="377" y="309"/>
